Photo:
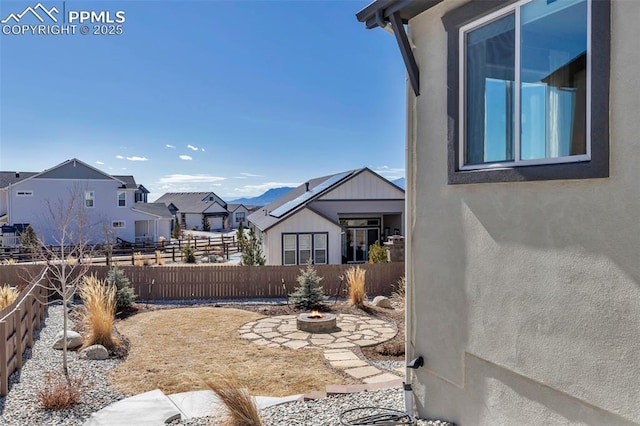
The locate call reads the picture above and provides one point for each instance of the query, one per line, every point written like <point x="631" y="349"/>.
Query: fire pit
<point x="315" y="322"/>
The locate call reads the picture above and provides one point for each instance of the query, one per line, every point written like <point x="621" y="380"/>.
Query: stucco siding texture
<point x="524" y="297"/>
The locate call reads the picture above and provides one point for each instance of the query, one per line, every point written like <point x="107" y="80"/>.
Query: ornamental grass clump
<point x="100" y="307"/>
<point x="8" y="295"/>
<point x="58" y="393"/>
<point x="241" y="410"/>
<point x="355" y="281"/>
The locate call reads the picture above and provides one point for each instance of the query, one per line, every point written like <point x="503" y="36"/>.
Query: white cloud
<point x="119" y="157"/>
<point x="170" y="146"/>
<point x="252" y="190"/>
<point x="250" y="175"/>
<point x="390" y="172"/>
<point x="99" y="162"/>
<point x="202" y="149"/>
<point x="186" y="157"/>
<point x="137" y="159"/>
<point x="197" y="178"/>
<point x="192" y="148"/>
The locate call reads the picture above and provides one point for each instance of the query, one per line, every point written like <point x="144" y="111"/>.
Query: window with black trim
<point x="122" y="199"/>
<point x="298" y="249"/>
<point x="528" y="93"/>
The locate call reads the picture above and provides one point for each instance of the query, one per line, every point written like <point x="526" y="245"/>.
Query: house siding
<point x="523" y="298"/>
<point x="365" y="186"/>
<point x="304" y="221"/>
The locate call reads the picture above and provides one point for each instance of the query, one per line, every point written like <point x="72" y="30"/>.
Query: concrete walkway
<point x="353" y="331"/>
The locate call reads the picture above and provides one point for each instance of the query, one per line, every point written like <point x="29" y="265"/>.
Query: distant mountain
<point x="264" y="199"/>
<point x="399" y="182"/>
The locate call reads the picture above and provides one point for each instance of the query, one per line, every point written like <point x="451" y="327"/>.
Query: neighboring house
<point x="238" y="214"/>
<point x="190" y="208"/>
<point x="523" y="240"/>
<point x="108" y="203"/>
<point x="330" y="220"/>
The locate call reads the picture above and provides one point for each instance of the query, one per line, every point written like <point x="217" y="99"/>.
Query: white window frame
<point x="124" y="193"/>
<point x="118" y="224"/>
<point x="24" y="193"/>
<point x="239" y="215"/>
<point x="294" y="250"/>
<point x="515" y="8"/>
<point x="325" y="249"/>
<point x="89" y="196"/>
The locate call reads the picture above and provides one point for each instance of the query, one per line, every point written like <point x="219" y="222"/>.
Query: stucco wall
<point x="524" y="297"/>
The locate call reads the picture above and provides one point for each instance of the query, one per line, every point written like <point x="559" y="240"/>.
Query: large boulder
<point x="382" y="302"/>
<point x="96" y="352"/>
<point x="74" y="340"/>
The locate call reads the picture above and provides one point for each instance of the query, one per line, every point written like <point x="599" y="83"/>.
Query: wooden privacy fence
<point x="18" y="321"/>
<point x="211" y="281"/>
<point x="239" y="282"/>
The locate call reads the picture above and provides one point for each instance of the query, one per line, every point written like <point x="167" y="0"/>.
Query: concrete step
<point x="146" y="409"/>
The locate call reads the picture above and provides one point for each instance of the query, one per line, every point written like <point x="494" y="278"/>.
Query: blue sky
<point x="231" y="97"/>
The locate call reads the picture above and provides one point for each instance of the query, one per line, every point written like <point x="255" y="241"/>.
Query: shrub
<point x="99" y="304"/>
<point x="241" y="409"/>
<point x="159" y="258"/>
<point x="124" y="293"/>
<point x="206" y="227"/>
<point x="137" y="259"/>
<point x="188" y="253"/>
<point x="377" y="253"/>
<point x="309" y="294"/>
<point x="177" y="230"/>
<point x="58" y="393"/>
<point x="355" y="282"/>
<point x="8" y="295"/>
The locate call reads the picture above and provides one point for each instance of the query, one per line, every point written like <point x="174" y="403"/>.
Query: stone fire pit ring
<point x="312" y="324"/>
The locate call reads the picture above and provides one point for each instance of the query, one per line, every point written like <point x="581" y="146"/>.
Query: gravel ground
<point x="21" y="406"/>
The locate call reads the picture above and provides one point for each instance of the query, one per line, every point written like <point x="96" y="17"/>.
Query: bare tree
<point x="67" y="226"/>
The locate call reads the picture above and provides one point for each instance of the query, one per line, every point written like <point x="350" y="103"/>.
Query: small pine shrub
<point x="177" y="230"/>
<point x="124" y="293"/>
<point x="99" y="304"/>
<point x="355" y="282"/>
<point x="188" y="253"/>
<point x="8" y="295"/>
<point x="58" y="394"/>
<point x="377" y="253"/>
<point x="309" y="294"/>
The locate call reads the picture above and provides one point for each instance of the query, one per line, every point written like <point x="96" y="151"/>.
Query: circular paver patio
<point x="353" y="330"/>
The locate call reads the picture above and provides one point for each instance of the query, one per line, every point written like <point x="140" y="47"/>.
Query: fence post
<point x="173" y="254"/>
<point x="18" y="336"/>
<point x="133" y="257"/>
<point x="4" y="368"/>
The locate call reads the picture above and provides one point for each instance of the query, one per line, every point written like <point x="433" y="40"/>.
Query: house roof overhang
<point x="392" y="15"/>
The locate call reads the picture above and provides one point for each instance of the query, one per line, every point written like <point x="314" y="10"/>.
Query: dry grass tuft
<point x="241" y="409"/>
<point x="355" y="281"/>
<point x="100" y="306"/>
<point x="159" y="258"/>
<point x="58" y="394"/>
<point x="8" y="295"/>
<point x="9" y="261"/>
<point x="137" y="259"/>
<point x="399" y="292"/>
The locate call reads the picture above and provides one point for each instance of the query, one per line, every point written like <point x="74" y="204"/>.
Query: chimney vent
<point x="17" y="174"/>
<point x="307" y="185"/>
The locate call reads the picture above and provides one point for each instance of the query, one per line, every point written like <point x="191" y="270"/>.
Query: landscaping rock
<point x="74" y="340"/>
<point x="97" y="352"/>
<point x="382" y="302"/>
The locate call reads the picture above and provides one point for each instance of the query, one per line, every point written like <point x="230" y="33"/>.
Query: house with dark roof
<point x="331" y="219"/>
<point x="523" y="237"/>
<point x="191" y="209"/>
<point x="238" y="214"/>
<point x="112" y="206"/>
